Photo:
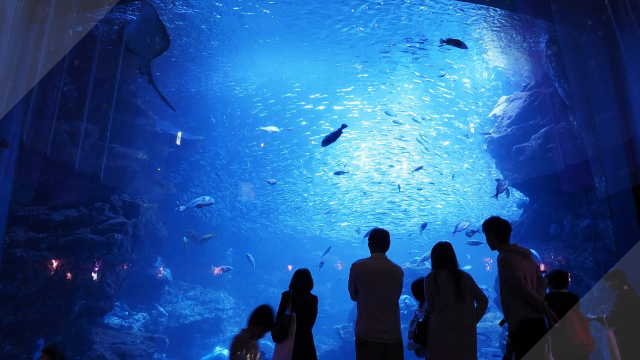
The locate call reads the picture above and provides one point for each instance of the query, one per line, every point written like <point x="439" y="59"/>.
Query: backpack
<point x="419" y="328"/>
<point x="578" y="333"/>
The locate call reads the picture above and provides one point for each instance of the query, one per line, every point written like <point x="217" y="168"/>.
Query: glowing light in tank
<point x="94" y="276"/>
<point x="543" y="267"/>
<point x="179" y="137"/>
<point x="96" y="265"/>
<point x="69" y="277"/>
<point x="487" y="263"/>
<point x="261" y="144"/>
<point x="289" y="267"/>
<point x="338" y="265"/>
<point x="160" y="273"/>
<point x="54" y="265"/>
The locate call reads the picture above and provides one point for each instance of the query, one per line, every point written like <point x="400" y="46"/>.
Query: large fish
<point x="331" y="138"/>
<point x="501" y="187"/>
<point x="251" y="261"/>
<point x="147" y="38"/>
<point x="454" y="42"/>
<point x="326" y="252"/>
<point x="198" y="203"/>
<point x="471" y="232"/>
<point x="426" y="257"/>
<point x="461" y="226"/>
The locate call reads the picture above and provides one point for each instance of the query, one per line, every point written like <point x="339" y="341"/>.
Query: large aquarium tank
<point x="164" y="168"/>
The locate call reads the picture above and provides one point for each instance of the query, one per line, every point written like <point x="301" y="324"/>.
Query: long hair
<point x="443" y="258"/>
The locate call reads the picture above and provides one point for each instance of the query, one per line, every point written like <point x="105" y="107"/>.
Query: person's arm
<point x="510" y="272"/>
<point x="284" y="300"/>
<point x="482" y="301"/>
<point x="314" y="311"/>
<point x="541" y="283"/>
<point x="618" y="311"/>
<point x="353" y="289"/>
<point x="429" y="292"/>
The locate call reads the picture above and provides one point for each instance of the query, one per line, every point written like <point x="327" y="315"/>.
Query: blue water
<point x="414" y="151"/>
<point x="306" y="67"/>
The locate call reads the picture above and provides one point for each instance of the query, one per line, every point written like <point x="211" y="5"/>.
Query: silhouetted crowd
<point x="543" y="318"/>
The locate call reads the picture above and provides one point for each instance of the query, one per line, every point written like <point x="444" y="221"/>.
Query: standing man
<point x="375" y="284"/>
<point x="522" y="291"/>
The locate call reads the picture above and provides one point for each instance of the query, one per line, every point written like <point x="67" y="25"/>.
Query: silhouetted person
<point x="375" y="284"/>
<point x="624" y="317"/>
<point x="455" y="305"/>
<point x="245" y="344"/>
<point x="52" y="352"/>
<point x="417" y="290"/>
<point x="305" y="305"/>
<point x="572" y="339"/>
<point x="522" y="290"/>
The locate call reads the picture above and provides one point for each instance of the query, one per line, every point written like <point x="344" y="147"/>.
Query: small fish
<point x="327" y="212"/>
<point x="390" y="113"/>
<point x="358" y="230"/>
<point x="251" y="261"/>
<point x="418" y="168"/>
<point x="453" y="176"/>
<point x="397" y="122"/>
<point x="471" y="232"/>
<point x="426" y="257"/>
<point x="423" y="226"/>
<point x="326" y="251"/>
<point x="475" y="242"/>
<point x="197" y="203"/>
<point x="501" y="187"/>
<point x="333" y="136"/>
<point x="466" y="268"/>
<point x="462" y="226"/>
<point x="269" y="129"/>
<point x="271" y="181"/>
<point x="340" y="172"/>
<point x="185" y="241"/>
<point x="454" y="42"/>
<point x="320" y="265"/>
<point x="207" y="237"/>
<point x="399" y="188"/>
<point x="219" y="270"/>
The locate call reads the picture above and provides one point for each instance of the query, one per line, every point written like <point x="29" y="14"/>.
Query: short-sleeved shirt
<point x="375" y="284"/>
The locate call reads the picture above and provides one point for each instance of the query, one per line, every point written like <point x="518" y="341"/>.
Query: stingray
<point x="147" y="38"/>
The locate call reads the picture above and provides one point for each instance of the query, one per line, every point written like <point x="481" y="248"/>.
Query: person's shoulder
<point x="467" y="277"/>
<point x="360" y="262"/>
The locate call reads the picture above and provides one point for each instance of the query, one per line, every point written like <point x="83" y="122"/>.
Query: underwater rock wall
<point x="63" y="268"/>
<point x="538" y="150"/>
